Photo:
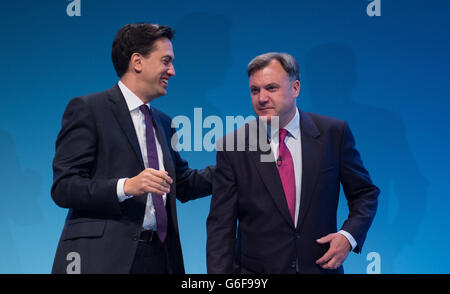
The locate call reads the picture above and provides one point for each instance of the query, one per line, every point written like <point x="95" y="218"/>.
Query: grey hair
<point x="288" y="62"/>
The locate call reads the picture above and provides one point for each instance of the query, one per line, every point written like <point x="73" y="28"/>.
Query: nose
<point x="171" y="70"/>
<point x="263" y="97"/>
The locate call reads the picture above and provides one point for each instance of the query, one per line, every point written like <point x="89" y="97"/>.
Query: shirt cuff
<point x="120" y="191"/>
<point x="349" y="238"/>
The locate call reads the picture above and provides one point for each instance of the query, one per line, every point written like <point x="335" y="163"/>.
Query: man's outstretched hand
<point x="148" y="181"/>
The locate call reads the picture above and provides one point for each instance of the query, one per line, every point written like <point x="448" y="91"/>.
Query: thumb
<point x="325" y="239"/>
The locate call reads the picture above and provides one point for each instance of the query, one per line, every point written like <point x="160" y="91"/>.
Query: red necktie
<point x="286" y="169"/>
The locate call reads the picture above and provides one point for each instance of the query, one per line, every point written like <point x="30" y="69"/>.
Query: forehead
<point x="162" y="47"/>
<point x="273" y="72"/>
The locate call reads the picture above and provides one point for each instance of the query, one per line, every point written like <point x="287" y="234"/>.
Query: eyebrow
<point x="272" y="85"/>
<point x="169" y="57"/>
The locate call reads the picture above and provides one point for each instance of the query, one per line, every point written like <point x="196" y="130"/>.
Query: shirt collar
<point x="133" y="101"/>
<point x="293" y="126"/>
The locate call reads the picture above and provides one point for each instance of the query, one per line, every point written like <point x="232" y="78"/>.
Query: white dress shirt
<point x="294" y="144"/>
<point x="133" y="103"/>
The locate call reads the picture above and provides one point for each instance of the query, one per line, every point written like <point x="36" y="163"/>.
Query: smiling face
<point x="154" y="70"/>
<point x="274" y="93"/>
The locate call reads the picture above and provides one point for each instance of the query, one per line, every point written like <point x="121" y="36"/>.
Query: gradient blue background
<point x="388" y="76"/>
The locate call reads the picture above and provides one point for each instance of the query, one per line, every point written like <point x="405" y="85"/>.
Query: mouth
<point x="165" y="81"/>
<point x="265" y="109"/>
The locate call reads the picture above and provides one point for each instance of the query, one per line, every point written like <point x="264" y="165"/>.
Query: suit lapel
<point x="268" y="172"/>
<point x="122" y="114"/>
<point x="164" y="142"/>
<point x="311" y="150"/>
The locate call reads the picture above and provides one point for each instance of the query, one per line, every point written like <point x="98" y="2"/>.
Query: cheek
<point x="284" y="100"/>
<point x="254" y="100"/>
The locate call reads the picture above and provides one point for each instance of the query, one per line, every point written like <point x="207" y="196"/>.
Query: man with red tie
<point x="116" y="171"/>
<point x="279" y="216"/>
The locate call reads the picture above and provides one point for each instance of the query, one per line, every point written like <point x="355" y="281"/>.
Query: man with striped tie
<point x="116" y="171"/>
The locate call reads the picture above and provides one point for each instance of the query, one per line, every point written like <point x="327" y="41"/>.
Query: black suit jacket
<point x="248" y="196"/>
<point x="96" y="146"/>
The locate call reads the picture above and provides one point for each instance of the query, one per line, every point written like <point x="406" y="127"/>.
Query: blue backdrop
<point x="386" y="75"/>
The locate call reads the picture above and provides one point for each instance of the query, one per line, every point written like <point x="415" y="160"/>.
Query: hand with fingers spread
<point x="148" y="181"/>
<point x="337" y="253"/>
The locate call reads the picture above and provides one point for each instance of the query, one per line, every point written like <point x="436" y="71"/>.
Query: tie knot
<point x="144" y="109"/>
<point x="283" y="134"/>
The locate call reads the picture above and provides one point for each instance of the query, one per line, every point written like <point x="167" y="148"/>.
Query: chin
<point x="163" y="92"/>
<point x="271" y="118"/>
<point x="268" y="115"/>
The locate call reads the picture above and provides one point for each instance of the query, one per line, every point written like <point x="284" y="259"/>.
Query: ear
<point x="136" y="62"/>
<point x="296" y="88"/>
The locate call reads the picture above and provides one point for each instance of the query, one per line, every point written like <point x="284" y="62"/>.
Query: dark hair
<point x="288" y="62"/>
<point x="136" y="38"/>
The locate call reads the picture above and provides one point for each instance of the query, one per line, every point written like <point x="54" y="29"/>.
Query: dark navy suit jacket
<point x="97" y="145"/>
<point x="249" y="226"/>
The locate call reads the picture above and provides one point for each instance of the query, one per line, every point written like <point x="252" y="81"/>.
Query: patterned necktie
<point x="286" y="169"/>
<point x="152" y="156"/>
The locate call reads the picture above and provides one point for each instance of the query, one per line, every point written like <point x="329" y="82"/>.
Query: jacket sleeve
<point x="75" y="162"/>
<point x="361" y="193"/>
<point x="191" y="183"/>
<point x="222" y="219"/>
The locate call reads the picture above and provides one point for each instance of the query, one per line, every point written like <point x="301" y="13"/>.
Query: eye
<point x="254" y="91"/>
<point x="272" y="88"/>
<point x="166" y="60"/>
